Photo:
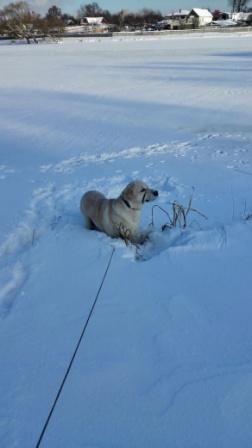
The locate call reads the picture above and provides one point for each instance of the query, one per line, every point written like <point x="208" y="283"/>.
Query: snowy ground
<point x="167" y="358"/>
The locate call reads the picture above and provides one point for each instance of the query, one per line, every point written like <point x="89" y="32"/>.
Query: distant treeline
<point x="19" y="21"/>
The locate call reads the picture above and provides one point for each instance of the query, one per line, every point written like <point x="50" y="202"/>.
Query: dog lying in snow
<point x="118" y="217"/>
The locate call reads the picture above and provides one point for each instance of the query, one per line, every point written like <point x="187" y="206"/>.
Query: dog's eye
<point x="143" y="190"/>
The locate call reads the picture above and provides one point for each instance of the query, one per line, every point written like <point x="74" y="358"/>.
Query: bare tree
<point x="53" y="22"/>
<point x="54" y="12"/>
<point x="90" y="10"/>
<point x="17" y="21"/>
<point x="238" y="5"/>
<point x="149" y="16"/>
<point x="141" y="18"/>
<point x="243" y="5"/>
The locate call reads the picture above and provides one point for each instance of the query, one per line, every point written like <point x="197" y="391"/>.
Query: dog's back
<point x="91" y="200"/>
<point x="93" y="205"/>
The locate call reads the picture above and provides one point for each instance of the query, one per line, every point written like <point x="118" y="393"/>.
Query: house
<point x="181" y="14"/>
<point x="174" y="20"/>
<point x="94" y="24"/>
<point x="200" y="17"/>
<point x="221" y="15"/>
<point x="242" y="17"/>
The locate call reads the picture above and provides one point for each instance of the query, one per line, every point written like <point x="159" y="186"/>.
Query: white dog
<point x="117" y="217"/>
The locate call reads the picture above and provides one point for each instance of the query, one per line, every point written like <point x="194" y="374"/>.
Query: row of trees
<point x="19" y="21"/>
<point x="123" y="17"/>
<point x="149" y="15"/>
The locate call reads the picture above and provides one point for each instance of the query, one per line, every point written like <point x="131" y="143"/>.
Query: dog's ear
<point x="129" y="193"/>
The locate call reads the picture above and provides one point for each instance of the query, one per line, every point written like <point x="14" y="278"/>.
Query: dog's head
<point x="137" y="193"/>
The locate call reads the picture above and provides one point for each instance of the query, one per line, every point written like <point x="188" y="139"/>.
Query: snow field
<point x="166" y="360"/>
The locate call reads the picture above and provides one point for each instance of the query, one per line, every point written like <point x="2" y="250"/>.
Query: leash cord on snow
<point x="75" y="352"/>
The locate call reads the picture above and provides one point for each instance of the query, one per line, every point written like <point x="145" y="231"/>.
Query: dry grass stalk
<point x="152" y="214"/>
<point x="130" y="240"/>
<point x="179" y="215"/>
<point x="33" y="237"/>
<point x="125" y="234"/>
<point x="246" y="216"/>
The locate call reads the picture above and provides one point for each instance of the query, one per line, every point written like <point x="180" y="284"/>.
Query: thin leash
<point x="75" y="352"/>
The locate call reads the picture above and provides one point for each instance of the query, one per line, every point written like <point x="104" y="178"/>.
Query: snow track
<point x="55" y="209"/>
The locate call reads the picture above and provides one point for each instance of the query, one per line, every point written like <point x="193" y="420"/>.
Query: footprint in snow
<point x="178" y="240"/>
<point x="11" y="282"/>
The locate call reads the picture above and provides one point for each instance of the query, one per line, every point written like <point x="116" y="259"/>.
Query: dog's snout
<point x="155" y="193"/>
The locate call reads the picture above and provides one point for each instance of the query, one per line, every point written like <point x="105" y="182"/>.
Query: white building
<point x="174" y="20"/>
<point x="201" y="17"/>
<point x="244" y="17"/>
<point x="181" y="14"/>
<point x="94" y="24"/>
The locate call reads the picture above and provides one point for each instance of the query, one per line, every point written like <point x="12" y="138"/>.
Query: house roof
<point x="181" y="12"/>
<point x="94" y="20"/>
<point x="201" y="12"/>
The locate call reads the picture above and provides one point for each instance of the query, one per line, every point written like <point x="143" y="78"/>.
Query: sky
<point x="133" y="5"/>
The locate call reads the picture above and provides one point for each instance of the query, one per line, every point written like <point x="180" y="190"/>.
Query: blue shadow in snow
<point x="52" y="125"/>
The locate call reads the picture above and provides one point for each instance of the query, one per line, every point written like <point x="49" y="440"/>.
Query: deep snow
<point x="167" y="358"/>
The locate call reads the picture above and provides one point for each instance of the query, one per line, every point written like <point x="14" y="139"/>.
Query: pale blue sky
<point x="132" y="5"/>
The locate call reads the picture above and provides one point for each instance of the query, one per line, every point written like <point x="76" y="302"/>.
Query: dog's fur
<point x="117" y="217"/>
